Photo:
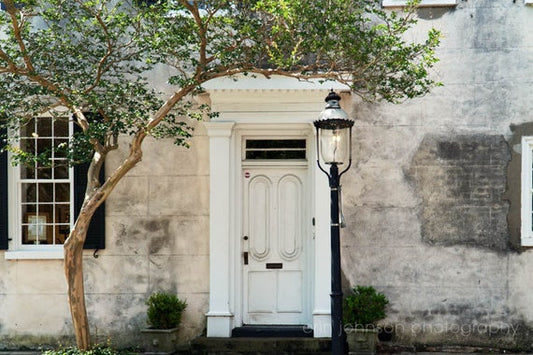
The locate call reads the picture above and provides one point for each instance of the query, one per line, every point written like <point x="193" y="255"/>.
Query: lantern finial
<point x="332" y="96"/>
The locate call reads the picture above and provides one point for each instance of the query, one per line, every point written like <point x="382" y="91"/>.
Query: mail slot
<point x="274" y="265"/>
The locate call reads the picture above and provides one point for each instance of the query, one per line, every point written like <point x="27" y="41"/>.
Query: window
<point x="423" y="3"/>
<point x="527" y="192"/>
<point x="275" y="149"/>
<point x="38" y="203"/>
<point x="44" y="191"/>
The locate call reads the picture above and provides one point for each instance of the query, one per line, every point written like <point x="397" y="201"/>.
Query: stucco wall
<point x="431" y="202"/>
<point x="156" y="240"/>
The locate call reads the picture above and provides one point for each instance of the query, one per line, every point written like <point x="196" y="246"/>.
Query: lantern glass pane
<point x="335" y="145"/>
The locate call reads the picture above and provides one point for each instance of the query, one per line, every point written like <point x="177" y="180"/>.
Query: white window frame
<point x="17" y="250"/>
<point x="423" y="3"/>
<point x="527" y="191"/>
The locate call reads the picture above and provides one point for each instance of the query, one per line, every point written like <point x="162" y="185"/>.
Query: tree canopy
<point x="95" y="56"/>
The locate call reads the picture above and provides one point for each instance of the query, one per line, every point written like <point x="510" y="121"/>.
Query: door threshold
<point x="272" y="331"/>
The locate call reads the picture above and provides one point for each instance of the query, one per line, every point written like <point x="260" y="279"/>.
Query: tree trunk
<point x="73" y="250"/>
<point x="95" y="195"/>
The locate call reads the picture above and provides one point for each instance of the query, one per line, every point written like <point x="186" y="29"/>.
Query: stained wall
<point x="433" y="204"/>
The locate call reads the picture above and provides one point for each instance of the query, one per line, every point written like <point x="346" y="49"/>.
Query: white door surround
<point x="273" y="114"/>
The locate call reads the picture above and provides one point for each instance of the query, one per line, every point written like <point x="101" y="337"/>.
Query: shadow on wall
<point x="462" y="182"/>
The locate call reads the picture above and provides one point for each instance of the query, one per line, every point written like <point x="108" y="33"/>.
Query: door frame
<point x="255" y="114"/>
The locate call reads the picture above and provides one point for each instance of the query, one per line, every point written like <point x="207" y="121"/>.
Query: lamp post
<point x="334" y="146"/>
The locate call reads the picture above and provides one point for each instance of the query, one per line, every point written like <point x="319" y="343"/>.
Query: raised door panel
<point x="259" y="216"/>
<point x="289" y="217"/>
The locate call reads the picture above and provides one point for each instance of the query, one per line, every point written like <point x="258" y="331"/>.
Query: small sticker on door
<point x="247" y="174"/>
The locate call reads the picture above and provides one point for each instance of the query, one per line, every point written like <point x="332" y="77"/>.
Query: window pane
<point x="61" y="128"/>
<point x="36" y="228"/>
<point x="28" y="129"/>
<point x="44" y="145"/>
<point x="275" y="143"/>
<point x="275" y="154"/>
<point x="29" y="192"/>
<point x="61" y="146"/>
<point x="27" y="172"/>
<point x="46" y="192"/>
<point x="44" y="126"/>
<point x="28" y="208"/>
<point x="62" y="221"/>
<point x="61" y="171"/>
<point x="275" y="149"/>
<point x="62" y="213"/>
<point x="62" y="192"/>
<point x="44" y="173"/>
<point x="27" y="145"/>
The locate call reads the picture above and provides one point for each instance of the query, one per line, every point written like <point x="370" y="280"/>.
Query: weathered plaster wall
<point x="432" y="202"/>
<point x="157" y="240"/>
<point x="431" y="206"/>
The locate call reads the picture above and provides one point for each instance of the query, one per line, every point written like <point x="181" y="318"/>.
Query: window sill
<point x="527" y="243"/>
<point x="54" y="254"/>
<point x="423" y="3"/>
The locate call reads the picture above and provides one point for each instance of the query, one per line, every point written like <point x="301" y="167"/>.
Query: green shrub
<point x="95" y="350"/>
<point x="364" y="307"/>
<point x="164" y="310"/>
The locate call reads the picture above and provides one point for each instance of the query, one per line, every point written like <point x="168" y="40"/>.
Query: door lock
<point x="245" y="257"/>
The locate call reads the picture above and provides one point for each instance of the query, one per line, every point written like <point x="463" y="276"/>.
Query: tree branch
<point x="12" y="11"/>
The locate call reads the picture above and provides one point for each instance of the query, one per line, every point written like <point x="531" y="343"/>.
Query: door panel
<point x="289" y="217"/>
<point x="274" y="213"/>
<point x="260" y="188"/>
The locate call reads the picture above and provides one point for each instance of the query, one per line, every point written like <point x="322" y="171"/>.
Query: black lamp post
<point x="334" y="146"/>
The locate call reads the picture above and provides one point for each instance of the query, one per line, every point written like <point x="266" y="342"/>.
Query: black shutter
<point x="96" y="233"/>
<point x="3" y="196"/>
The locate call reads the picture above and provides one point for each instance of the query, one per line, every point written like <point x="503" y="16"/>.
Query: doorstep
<point x="259" y="346"/>
<point x="272" y="331"/>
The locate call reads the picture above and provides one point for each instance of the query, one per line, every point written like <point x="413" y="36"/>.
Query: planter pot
<point x="362" y="341"/>
<point x="163" y="341"/>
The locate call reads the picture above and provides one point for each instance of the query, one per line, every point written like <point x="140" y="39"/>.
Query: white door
<point x="274" y="243"/>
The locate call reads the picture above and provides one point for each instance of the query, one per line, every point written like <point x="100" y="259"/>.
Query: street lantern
<point x="334" y="146"/>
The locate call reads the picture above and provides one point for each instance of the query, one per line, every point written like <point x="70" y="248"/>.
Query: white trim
<point x="527" y="191"/>
<point x="56" y="253"/>
<point x="246" y="112"/>
<point x="423" y="3"/>
<point x="17" y="250"/>
<point x="220" y="315"/>
<point x="275" y="82"/>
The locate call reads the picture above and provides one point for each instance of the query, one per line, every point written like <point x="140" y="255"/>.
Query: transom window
<point x="45" y="188"/>
<point x="275" y="149"/>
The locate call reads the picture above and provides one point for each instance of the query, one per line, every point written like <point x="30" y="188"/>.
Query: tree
<point x="88" y="60"/>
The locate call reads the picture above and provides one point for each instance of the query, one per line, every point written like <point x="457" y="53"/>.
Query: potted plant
<point x="361" y="310"/>
<point x="164" y="317"/>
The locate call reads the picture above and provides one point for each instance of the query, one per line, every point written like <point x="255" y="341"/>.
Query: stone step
<point x="259" y="346"/>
